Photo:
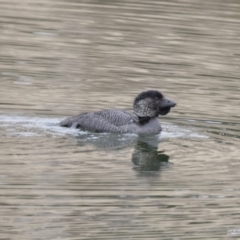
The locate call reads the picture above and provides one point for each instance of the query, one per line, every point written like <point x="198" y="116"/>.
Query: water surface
<point x="60" y="58"/>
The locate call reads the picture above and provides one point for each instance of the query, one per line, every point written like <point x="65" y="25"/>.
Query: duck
<point x="147" y="106"/>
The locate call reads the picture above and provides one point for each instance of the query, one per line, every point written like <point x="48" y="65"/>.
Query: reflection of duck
<point x="147" y="106"/>
<point x="146" y="157"/>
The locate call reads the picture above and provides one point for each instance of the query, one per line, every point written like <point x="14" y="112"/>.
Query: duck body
<point x="147" y="106"/>
<point x="114" y="121"/>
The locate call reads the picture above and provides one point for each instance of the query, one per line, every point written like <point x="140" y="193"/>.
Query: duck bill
<point x="166" y="106"/>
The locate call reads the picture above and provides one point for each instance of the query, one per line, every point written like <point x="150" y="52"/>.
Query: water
<point x="60" y="58"/>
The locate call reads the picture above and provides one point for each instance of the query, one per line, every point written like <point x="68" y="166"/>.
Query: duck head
<point x="152" y="103"/>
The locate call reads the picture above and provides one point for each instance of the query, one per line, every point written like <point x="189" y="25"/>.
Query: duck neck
<point x="143" y="120"/>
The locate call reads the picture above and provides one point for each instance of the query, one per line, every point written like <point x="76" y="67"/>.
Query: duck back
<point x="112" y="120"/>
<point x="101" y="121"/>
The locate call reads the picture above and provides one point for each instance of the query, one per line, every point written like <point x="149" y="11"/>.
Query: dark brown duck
<point x="147" y="107"/>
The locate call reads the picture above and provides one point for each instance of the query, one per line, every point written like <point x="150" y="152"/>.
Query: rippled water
<point x="60" y="58"/>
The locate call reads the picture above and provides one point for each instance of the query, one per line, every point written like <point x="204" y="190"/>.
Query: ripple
<point x="174" y="131"/>
<point x="34" y="126"/>
<point x="37" y="126"/>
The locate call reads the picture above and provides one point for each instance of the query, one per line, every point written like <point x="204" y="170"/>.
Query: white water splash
<point x="37" y="126"/>
<point x="174" y="131"/>
<point x="34" y="126"/>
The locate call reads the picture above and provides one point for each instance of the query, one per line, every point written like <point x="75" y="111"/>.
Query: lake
<point x="61" y="58"/>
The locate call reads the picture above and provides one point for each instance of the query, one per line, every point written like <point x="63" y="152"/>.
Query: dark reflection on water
<point x="147" y="157"/>
<point x="60" y="58"/>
